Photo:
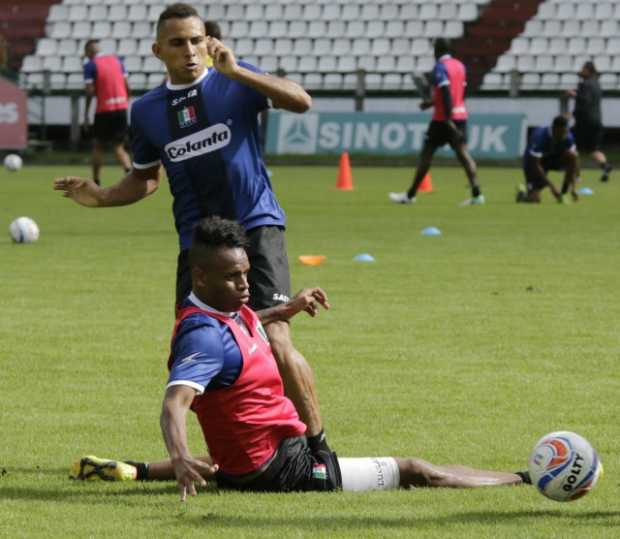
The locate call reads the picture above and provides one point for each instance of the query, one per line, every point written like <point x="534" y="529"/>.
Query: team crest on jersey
<point x="204" y="141"/>
<point x="261" y="332"/>
<point x="187" y="116"/>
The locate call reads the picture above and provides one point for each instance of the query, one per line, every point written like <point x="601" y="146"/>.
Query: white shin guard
<point x="371" y="473"/>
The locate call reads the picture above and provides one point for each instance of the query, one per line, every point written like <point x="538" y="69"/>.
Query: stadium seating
<point x="321" y="43"/>
<point x="555" y="44"/>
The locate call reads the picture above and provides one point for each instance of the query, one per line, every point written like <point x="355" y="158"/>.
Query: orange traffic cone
<point x="427" y="185"/>
<point x="345" y="179"/>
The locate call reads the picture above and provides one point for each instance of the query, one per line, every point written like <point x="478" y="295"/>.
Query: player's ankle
<point x="142" y="469"/>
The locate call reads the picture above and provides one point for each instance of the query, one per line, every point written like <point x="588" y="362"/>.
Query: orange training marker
<point x="345" y="178"/>
<point x="312" y="260"/>
<point x="427" y="185"/>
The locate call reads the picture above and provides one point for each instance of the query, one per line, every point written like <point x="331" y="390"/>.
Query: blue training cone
<point x="364" y="257"/>
<point x="431" y="231"/>
<point x="585" y="191"/>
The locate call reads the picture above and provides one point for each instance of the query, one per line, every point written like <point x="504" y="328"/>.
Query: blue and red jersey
<point x="450" y="72"/>
<point x="107" y="73"/>
<point x="240" y="400"/>
<point x="206" y="136"/>
<point x="542" y="145"/>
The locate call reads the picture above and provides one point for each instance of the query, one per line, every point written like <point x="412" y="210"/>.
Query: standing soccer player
<point x="106" y="79"/>
<point x="588" y="129"/>
<point x="448" y="125"/>
<point x="549" y="148"/>
<point x="202" y="126"/>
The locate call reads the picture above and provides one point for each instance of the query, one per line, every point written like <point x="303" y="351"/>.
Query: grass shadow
<point x="349" y="522"/>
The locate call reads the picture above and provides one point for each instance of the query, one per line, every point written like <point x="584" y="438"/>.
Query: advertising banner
<point x="13" y="116"/>
<point x="490" y="136"/>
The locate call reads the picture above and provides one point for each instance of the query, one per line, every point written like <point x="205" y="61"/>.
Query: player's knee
<point x="417" y="473"/>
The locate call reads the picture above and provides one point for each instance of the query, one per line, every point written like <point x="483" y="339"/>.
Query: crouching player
<point x="550" y="148"/>
<point x="221" y="367"/>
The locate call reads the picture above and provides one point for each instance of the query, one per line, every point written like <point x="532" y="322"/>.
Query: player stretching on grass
<point x="549" y="148"/>
<point x="448" y="126"/>
<point x="202" y="126"/>
<point x="222" y="368"/>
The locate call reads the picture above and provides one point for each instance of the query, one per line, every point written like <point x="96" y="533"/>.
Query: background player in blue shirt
<point x="202" y="126"/>
<point x="549" y="148"/>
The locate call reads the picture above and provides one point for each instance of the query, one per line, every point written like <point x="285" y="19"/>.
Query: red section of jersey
<point x="244" y="424"/>
<point x="110" y="87"/>
<point x="458" y="82"/>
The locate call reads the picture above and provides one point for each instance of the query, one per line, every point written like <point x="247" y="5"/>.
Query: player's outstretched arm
<point x="284" y="94"/>
<point x="307" y="299"/>
<point x="188" y="470"/>
<point x="135" y="186"/>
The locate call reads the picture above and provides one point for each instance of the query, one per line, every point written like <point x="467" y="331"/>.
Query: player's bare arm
<point x="135" y="186"/>
<point x="307" y="299"/>
<point x="284" y="94"/>
<point x="189" y="471"/>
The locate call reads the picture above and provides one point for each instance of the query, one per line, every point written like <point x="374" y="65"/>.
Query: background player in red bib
<point x="448" y="125"/>
<point x="106" y="79"/>
<point x="222" y="368"/>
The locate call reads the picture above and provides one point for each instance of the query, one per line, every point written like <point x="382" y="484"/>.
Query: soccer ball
<point x="564" y="466"/>
<point x="24" y="230"/>
<point x="13" y="162"/>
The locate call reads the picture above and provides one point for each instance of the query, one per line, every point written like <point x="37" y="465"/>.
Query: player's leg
<point x="269" y="285"/>
<point x="435" y="137"/>
<point x="570" y="162"/>
<point x="388" y="473"/>
<point x="424" y="165"/>
<point x="122" y="156"/>
<point x="120" y="131"/>
<point x="420" y="473"/>
<point x="183" y="280"/>
<point x="535" y="182"/>
<point x="97" y="161"/>
<point x="459" y="145"/>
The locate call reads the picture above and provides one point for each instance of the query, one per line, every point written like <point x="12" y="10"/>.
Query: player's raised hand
<point x="84" y="192"/>
<point x="308" y="299"/>
<point x="191" y="472"/>
<point x="223" y="58"/>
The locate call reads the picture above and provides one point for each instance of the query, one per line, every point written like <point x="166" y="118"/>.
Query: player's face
<point x="559" y="133"/>
<point x="181" y="45"/>
<point x="223" y="282"/>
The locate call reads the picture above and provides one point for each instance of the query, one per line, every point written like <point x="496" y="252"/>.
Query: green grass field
<point x="464" y="348"/>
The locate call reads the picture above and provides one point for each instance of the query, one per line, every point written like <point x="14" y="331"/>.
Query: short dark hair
<point x="560" y="122"/>
<point x="591" y="68"/>
<point x="89" y="43"/>
<point x="176" y="11"/>
<point x="213" y="29"/>
<point x="441" y="46"/>
<point x="212" y="233"/>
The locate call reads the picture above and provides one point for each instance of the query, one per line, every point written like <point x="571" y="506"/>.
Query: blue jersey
<point x="206" y="136"/>
<point x="205" y="354"/>
<point x="542" y="146"/>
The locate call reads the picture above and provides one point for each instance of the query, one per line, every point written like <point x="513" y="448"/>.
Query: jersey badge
<point x="187" y="116"/>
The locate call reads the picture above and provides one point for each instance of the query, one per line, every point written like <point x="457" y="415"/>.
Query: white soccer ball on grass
<point x="13" y="162"/>
<point x="564" y="466"/>
<point x="24" y="230"/>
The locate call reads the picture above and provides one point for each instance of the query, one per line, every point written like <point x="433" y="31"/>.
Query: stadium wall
<point x="536" y="109"/>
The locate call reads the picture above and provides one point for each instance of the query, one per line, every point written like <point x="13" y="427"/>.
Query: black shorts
<point x="293" y="468"/>
<point x="534" y="180"/>
<point x="110" y="127"/>
<point x="588" y="136"/>
<point x="440" y="133"/>
<point x="269" y="278"/>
